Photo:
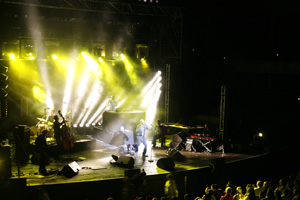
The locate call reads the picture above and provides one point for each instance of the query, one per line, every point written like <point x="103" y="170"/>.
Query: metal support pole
<point x="167" y="93"/>
<point x="222" y="115"/>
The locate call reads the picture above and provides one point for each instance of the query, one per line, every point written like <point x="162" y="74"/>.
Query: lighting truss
<point x="112" y="7"/>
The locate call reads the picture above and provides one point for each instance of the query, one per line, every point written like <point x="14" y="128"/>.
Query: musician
<point x="140" y="136"/>
<point x="207" y="131"/>
<point x="41" y="148"/>
<point x="112" y="104"/>
<point x="58" y="136"/>
<point x="159" y="133"/>
<point x="50" y="118"/>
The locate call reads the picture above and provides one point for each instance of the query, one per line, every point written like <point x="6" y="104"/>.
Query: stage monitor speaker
<point x="71" y="169"/>
<point x="177" y="138"/>
<point x="175" y="154"/>
<point x="166" y="163"/>
<point x="176" y="141"/>
<point x="125" y="161"/>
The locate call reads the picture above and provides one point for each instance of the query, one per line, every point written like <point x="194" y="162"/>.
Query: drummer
<point x="46" y="123"/>
<point x="50" y="118"/>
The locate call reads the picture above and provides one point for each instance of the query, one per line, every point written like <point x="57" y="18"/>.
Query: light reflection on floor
<point x="97" y="164"/>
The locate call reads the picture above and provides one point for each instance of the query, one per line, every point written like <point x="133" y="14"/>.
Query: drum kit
<point x="45" y="123"/>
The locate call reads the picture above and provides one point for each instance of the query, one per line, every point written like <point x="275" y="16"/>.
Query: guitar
<point x="67" y="139"/>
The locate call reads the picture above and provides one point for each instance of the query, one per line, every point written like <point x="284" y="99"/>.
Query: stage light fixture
<point x="117" y="50"/>
<point x="141" y="51"/>
<point x="123" y="57"/>
<point x="28" y="50"/>
<point x="10" y="49"/>
<point x="54" y="56"/>
<point x="98" y="51"/>
<point x="12" y="56"/>
<point x="145" y="65"/>
<point x="31" y="57"/>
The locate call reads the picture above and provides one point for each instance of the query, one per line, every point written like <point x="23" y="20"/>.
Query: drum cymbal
<point x="41" y="119"/>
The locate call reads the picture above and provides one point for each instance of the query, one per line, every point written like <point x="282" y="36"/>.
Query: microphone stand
<point x="150" y="160"/>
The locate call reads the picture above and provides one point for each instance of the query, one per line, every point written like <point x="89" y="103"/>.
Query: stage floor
<point x="96" y="164"/>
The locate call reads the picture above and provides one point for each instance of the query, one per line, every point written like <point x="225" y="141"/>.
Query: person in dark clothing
<point x="41" y="148"/>
<point x="58" y="136"/>
<point x="160" y="132"/>
<point x="207" y="131"/>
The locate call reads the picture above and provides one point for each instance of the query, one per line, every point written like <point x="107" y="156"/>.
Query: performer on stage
<point x="112" y="104"/>
<point x="50" y="118"/>
<point x="58" y="136"/>
<point x="41" y="148"/>
<point x="140" y="136"/>
<point x="207" y="131"/>
<point x="159" y="133"/>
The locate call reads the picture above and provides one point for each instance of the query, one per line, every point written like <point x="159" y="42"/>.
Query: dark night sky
<point x="262" y="87"/>
<point x="243" y="28"/>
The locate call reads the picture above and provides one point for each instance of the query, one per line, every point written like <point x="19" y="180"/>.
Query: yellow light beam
<point x="92" y="101"/>
<point x="92" y="65"/>
<point x="68" y="87"/>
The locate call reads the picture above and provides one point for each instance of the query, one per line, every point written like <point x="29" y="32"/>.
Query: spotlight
<point x="12" y="56"/>
<point x="54" y="56"/>
<point x="123" y="57"/>
<point x="141" y="51"/>
<point x="258" y="141"/>
<point x="11" y="49"/>
<point x="99" y="51"/>
<point x="28" y="50"/>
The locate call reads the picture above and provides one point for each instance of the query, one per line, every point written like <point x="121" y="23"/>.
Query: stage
<point x="99" y="172"/>
<point x="98" y="164"/>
